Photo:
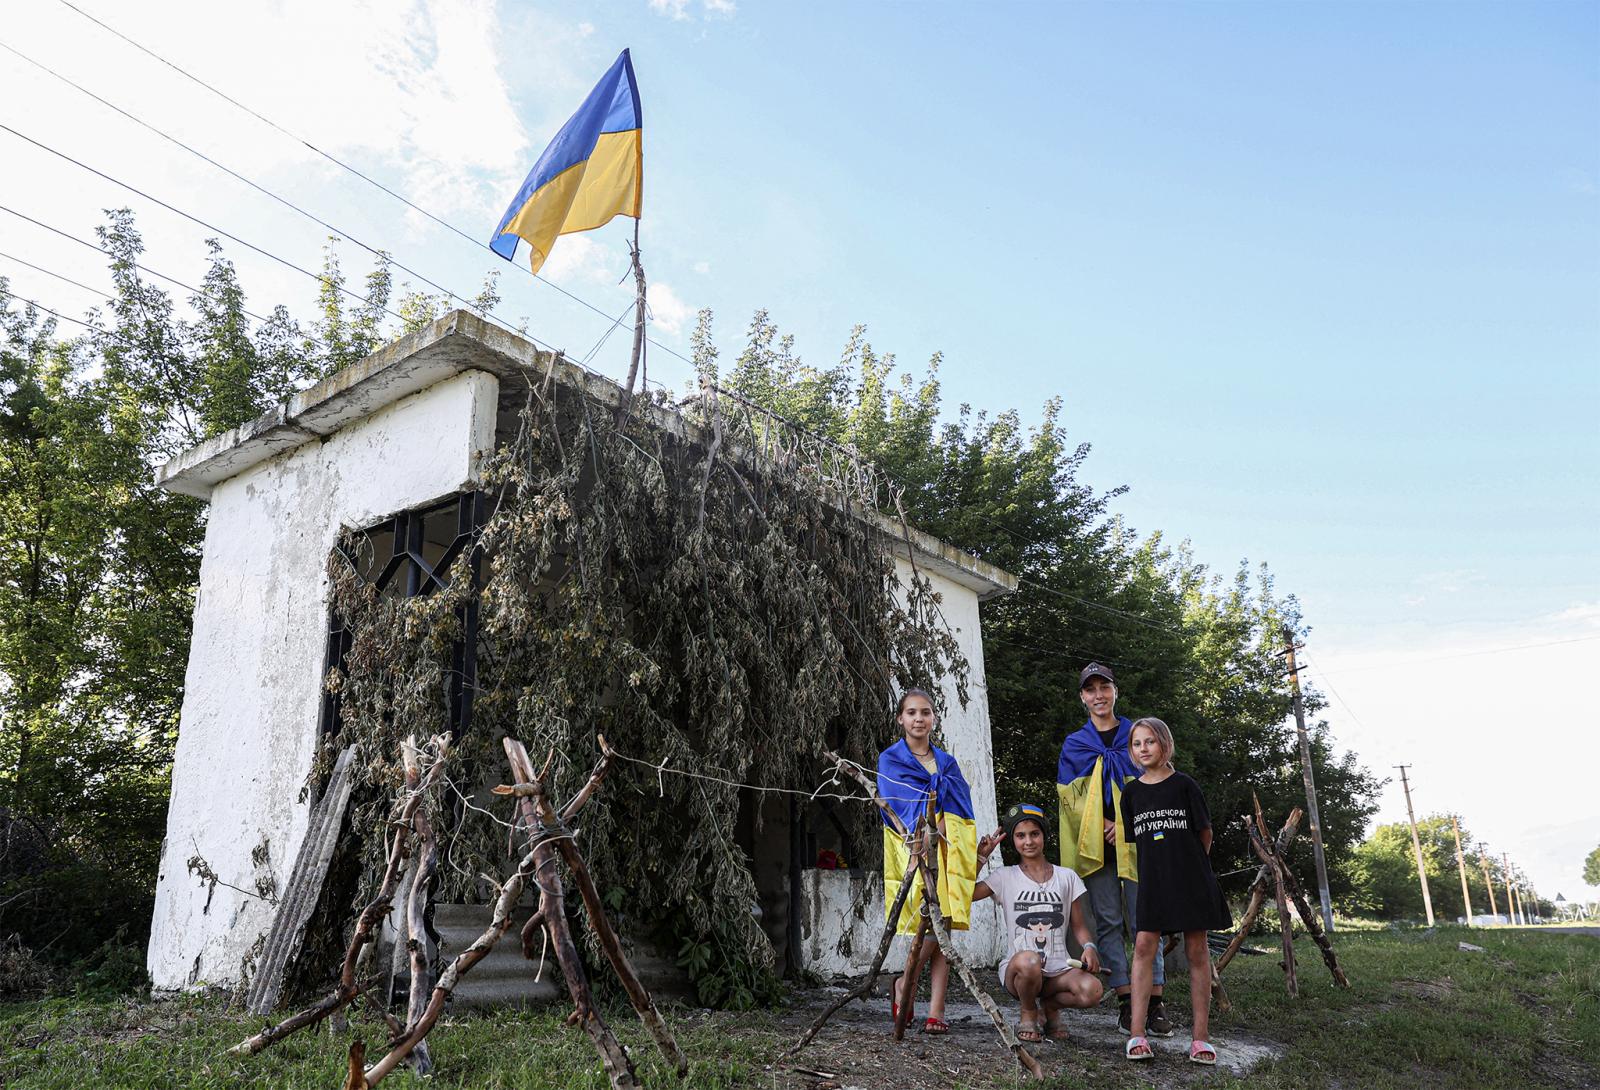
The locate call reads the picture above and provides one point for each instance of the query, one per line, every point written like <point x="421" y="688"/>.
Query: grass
<point x="1523" y="1013"/>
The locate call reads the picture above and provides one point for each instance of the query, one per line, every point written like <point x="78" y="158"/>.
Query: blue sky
<point x="1320" y="283"/>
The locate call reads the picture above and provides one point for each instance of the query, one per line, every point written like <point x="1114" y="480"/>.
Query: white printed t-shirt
<point x="1036" y="914"/>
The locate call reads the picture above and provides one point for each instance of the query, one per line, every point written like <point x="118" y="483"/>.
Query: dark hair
<point x="908" y="694"/>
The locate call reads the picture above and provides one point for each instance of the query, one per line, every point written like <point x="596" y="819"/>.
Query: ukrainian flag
<point x="906" y="786"/>
<point x="592" y="171"/>
<point x="1089" y="779"/>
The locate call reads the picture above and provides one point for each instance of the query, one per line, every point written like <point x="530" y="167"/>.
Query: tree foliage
<point x="98" y="568"/>
<point x="1591" y="868"/>
<point x="1200" y="649"/>
<point x="1385" y="873"/>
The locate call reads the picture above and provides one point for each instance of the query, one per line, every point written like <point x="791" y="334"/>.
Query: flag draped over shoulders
<point x="906" y="786"/>
<point x="592" y="171"/>
<point x="1089" y="781"/>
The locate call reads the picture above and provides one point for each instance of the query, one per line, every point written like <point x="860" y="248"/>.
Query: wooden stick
<point x="1286" y="925"/>
<point x="376" y="910"/>
<point x="354" y="1079"/>
<point x="614" y="1057"/>
<point x="864" y="989"/>
<point x="510" y="894"/>
<point x="872" y="789"/>
<point x="1258" y="890"/>
<point x="1313" y="924"/>
<point x="930" y="897"/>
<point x="638" y="994"/>
<point x="416" y="909"/>
<point x="910" y="981"/>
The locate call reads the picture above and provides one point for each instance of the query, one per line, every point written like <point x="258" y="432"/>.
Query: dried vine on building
<point x="695" y="588"/>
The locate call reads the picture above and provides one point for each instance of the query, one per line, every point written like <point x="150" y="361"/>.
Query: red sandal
<point x="894" y="1005"/>
<point x="935" y="1026"/>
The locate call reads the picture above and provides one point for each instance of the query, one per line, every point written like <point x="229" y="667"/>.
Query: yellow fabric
<point x="584" y="196"/>
<point x="1082" y="828"/>
<point x="958" y="873"/>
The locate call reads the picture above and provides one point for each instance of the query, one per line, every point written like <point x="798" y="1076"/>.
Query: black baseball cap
<point x="1094" y="669"/>
<point x="1024" y="811"/>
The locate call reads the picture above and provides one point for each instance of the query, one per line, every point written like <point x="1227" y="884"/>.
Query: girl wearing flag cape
<point x="909" y="773"/>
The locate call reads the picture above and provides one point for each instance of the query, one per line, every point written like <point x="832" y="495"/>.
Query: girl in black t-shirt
<point x="1164" y="814"/>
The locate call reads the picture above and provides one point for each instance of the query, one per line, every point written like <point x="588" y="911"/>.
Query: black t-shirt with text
<point x="1177" y="889"/>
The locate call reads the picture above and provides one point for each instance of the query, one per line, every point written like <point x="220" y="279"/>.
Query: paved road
<point x="1570" y="930"/>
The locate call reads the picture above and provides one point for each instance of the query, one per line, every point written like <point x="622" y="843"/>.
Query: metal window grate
<point x="411" y="554"/>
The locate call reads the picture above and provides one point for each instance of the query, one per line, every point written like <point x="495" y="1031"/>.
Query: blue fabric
<point x="1083" y="747"/>
<point x="905" y="785"/>
<point x="613" y="106"/>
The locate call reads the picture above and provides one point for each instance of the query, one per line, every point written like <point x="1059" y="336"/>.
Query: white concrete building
<point x="406" y="431"/>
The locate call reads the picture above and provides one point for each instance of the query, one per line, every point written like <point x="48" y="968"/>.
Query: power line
<point x="382" y="255"/>
<point x="1336" y="695"/>
<point x="319" y="277"/>
<point x="346" y="166"/>
<point x="1403" y="663"/>
<point x="264" y="320"/>
<point x="1134" y="618"/>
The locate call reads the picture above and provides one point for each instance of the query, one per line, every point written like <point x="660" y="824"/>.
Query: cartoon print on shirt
<point x="1039" y="925"/>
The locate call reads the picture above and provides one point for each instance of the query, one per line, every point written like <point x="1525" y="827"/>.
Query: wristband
<point x="1091" y="946"/>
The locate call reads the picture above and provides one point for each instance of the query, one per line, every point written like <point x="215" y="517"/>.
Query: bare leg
<point x="1199" y="955"/>
<point x="938" y="984"/>
<point x="1146" y="946"/>
<point x="1073" y="988"/>
<point x="1024" y="979"/>
<point x="931" y="957"/>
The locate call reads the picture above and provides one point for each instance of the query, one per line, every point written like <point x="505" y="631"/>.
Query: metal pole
<point x="1461" y="867"/>
<point x="1311" y="783"/>
<point x="1416" y="844"/>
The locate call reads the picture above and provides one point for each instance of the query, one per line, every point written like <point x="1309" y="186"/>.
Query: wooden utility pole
<point x="1511" y="900"/>
<point x="1461" y="866"/>
<point x="1311" y="783"/>
<point x="1416" y="844"/>
<point x="1488" y="883"/>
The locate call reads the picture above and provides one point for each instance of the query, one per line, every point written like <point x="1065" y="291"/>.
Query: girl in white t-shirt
<point x="1038" y="900"/>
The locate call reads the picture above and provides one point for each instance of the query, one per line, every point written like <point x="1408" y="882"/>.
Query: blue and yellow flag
<point x="591" y="172"/>
<point x="906" y="786"/>
<point x="1089" y="779"/>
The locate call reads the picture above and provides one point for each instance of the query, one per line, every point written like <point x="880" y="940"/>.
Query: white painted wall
<point x="843" y="911"/>
<point x="251" y="695"/>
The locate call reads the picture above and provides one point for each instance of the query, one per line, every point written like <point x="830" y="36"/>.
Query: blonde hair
<point x="1163" y="735"/>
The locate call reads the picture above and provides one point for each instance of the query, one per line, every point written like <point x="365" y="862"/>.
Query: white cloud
<point x="585" y="29"/>
<point x="702" y="267"/>
<point x="678" y="10"/>
<point x="583" y="259"/>
<point x="672" y="9"/>
<point x="668" y="313"/>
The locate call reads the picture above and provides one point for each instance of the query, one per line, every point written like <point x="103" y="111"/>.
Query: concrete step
<point x="505" y="978"/>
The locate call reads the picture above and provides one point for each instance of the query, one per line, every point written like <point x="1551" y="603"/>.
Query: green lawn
<point x="1524" y="1013"/>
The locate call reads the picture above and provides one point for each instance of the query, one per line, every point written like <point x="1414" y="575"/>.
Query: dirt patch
<point x="1427" y="989"/>
<point x="856" y="1049"/>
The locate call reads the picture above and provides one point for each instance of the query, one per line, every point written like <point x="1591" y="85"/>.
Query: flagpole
<point x="637" y="361"/>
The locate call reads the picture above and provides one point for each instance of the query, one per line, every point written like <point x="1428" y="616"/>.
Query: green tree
<point x="1199" y="649"/>
<point x="1591" y="868"/>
